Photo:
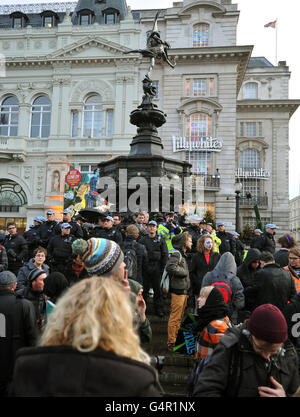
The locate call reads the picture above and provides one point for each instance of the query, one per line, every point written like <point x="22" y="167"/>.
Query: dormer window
<point x="50" y="19"/>
<point x="110" y="16"/>
<point x="85" y="17"/>
<point x="18" y="20"/>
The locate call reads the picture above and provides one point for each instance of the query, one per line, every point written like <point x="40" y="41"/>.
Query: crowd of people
<point x="76" y="294"/>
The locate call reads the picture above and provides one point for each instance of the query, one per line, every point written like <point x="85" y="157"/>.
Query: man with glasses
<point x="16" y="248"/>
<point x="254" y="360"/>
<point x="294" y="267"/>
<point x="46" y="230"/>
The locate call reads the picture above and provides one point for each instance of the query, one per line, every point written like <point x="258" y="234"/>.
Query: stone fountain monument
<point x="145" y="163"/>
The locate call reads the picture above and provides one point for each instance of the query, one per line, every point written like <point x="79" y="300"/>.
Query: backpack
<point x="233" y="374"/>
<point x="165" y="279"/>
<point x="130" y="259"/>
<point x="223" y="285"/>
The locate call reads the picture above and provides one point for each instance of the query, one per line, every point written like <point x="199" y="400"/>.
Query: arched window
<point x="18" y="20"/>
<point x="9" y="114"/>
<point x="110" y="15"/>
<point x="93" y="117"/>
<point x="200" y="35"/>
<point x="251" y="91"/>
<point x="40" y="117"/>
<point x="85" y="17"/>
<point x="198" y="125"/>
<point x="49" y="18"/>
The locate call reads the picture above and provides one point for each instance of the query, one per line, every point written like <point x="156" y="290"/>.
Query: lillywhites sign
<point x="253" y="173"/>
<point x="205" y="143"/>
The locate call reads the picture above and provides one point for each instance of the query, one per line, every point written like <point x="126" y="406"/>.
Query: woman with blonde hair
<point x="89" y="348"/>
<point x="203" y="261"/>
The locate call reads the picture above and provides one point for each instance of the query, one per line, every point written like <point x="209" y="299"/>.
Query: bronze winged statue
<point x="156" y="48"/>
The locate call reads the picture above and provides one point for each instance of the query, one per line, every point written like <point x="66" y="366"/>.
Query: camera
<point x="157" y="362"/>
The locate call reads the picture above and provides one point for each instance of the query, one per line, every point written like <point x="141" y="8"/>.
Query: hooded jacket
<point x="226" y="270"/>
<point x="255" y="370"/>
<point x="177" y="267"/>
<point x="246" y="275"/>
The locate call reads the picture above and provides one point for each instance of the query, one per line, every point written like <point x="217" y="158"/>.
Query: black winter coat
<point x="265" y="242"/>
<point x="20" y="330"/>
<point x="16" y="249"/>
<point x="60" y="248"/>
<point x="255" y="371"/>
<point x="3" y="259"/>
<point x="199" y="268"/>
<point x="228" y="243"/>
<point x="61" y="371"/>
<point x="273" y="285"/>
<point x="246" y="275"/>
<point x="110" y="234"/>
<point x="38" y="299"/>
<point x="157" y="252"/>
<point x="46" y="232"/>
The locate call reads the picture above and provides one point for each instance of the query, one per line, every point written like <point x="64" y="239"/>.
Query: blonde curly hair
<point x="95" y="313"/>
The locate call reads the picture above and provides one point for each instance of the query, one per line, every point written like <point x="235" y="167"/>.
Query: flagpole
<point x="276" y="50"/>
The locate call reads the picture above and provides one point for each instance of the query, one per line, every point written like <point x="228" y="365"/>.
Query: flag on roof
<point x="271" y="24"/>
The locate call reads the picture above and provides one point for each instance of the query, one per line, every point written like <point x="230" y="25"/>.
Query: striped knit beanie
<point x="101" y="257"/>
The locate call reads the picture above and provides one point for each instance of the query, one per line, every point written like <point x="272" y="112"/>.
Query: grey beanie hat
<point x="7" y="279"/>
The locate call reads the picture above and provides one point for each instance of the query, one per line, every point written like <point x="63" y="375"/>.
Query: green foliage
<point x="209" y="218"/>
<point x="247" y="234"/>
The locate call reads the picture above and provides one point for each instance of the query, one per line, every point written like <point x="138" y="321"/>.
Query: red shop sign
<point x="73" y="177"/>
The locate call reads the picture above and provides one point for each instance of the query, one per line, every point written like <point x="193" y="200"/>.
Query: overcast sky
<point x="254" y="14"/>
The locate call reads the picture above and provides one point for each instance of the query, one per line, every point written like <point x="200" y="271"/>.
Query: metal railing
<point x="250" y="202"/>
<point x="209" y="181"/>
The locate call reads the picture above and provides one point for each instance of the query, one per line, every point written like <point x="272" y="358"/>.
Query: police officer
<point x="32" y="236"/>
<point x="227" y="241"/>
<point x="16" y="248"/>
<point x="266" y="242"/>
<point x="60" y="249"/>
<point x="46" y="229"/>
<point x="76" y="229"/>
<point x="158" y="256"/>
<point x="105" y="229"/>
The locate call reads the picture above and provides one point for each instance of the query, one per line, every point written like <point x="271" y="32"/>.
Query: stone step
<point x="176" y="367"/>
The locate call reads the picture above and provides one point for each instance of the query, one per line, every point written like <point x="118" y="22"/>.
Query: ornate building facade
<point x="68" y="90"/>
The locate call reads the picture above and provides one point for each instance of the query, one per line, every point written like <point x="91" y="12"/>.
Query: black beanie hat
<point x="267" y="323"/>
<point x="35" y="273"/>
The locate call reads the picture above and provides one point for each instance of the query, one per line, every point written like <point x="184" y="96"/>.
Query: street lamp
<point x="237" y="189"/>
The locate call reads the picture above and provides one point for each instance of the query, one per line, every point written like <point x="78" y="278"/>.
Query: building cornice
<point x="289" y="106"/>
<point x="37" y="7"/>
<point x="212" y="4"/>
<point x="239" y="54"/>
<point x="68" y="54"/>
